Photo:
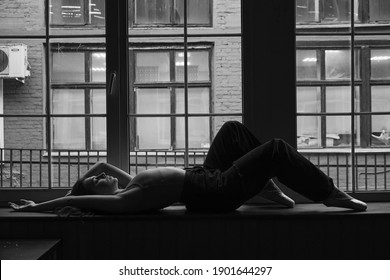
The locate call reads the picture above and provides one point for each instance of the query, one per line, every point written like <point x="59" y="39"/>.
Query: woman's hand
<point x="25" y="206"/>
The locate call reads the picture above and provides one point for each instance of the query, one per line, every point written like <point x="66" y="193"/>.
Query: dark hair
<point x="81" y="187"/>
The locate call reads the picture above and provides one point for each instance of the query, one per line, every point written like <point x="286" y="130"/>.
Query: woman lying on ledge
<point x="237" y="167"/>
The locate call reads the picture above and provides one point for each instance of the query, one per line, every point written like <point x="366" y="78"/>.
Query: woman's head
<point x="101" y="184"/>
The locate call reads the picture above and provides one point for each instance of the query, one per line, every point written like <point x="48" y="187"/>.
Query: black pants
<point x="246" y="165"/>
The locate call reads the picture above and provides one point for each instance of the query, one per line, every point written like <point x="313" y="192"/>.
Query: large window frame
<point x="87" y="86"/>
<point x="172" y="85"/>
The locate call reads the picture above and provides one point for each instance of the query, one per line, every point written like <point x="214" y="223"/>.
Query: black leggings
<point x="246" y="165"/>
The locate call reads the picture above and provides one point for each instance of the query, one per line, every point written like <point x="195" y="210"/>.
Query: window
<point x="171" y="12"/>
<point x="159" y="90"/>
<point x="54" y="121"/>
<point x="339" y="11"/>
<point x="77" y="12"/>
<point x="343" y="107"/>
<point x="78" y="92"/>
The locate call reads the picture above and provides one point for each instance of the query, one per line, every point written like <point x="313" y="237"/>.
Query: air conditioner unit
<point x="13" y="62"/>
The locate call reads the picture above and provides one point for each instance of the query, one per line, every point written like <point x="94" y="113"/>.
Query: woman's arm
<point x="123" y="177"/>
<point x="129" y="202"/>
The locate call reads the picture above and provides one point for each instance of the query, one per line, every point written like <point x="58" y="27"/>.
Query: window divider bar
<point x="48" y="97"/>
<point x="186" y="134"/>
<point x="353" y="157"/>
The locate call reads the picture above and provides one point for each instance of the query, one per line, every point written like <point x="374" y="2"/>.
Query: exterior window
<point x="171" y="12"/>
<point x="77" y="12"/>
<point x="330" y="70"/>
<point x="324" y="11"/>
<point x="338" y="11"/>
<point x="159" y="90"/>
<point x="343" y="120"/>
<point x="78" y="89"/>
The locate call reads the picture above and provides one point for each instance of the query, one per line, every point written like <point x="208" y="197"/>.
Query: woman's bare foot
<point x="273" y="193"/>
<point x="338" y="198"/>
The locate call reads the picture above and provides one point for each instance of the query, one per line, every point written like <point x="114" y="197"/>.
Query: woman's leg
<point x="277" y="158"/>
<point x="233" y="141"/>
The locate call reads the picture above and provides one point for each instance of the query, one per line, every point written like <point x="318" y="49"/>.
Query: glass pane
<point x="338" y="64"/>
<point x="152" y="11"/>
<point x="98" y="125"/>
<point x="198" y="66"/>
<point x="307" y="11"/>
<point x="152" y="67"/>
<point x="153" y="101"/>
<point x="97" y="12"/>
<point x="77" y="17"/>
<point x="68" y="67"/>
<point x="379" y="10"/>
<point x="380" y="130"/>
<point x="307" y="68"/>
<point x="338" y="131"/>
<point x="68" y="101"/>
<point x="98" y="131"/>
<point x="153" y="133"/>
<point x="380" y="64"/>
<point x="198" y="133"/>
<point x="99" y="67"/>
<point x="338" y="99"/>
<point x="198" y="12"/>
<point x="380" y="98"/>
<point x="308" y="131"/>
<point x="336" y="10"/>
<point x="98" y="101"/>
<point x="308" y="99"/>
<point x="198" y="100"/>
<point x="23" y="157"/>
<point x="67" y="12"/>
<point x="68" y="133"/>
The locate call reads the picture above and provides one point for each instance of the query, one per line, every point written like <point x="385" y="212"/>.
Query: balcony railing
<point x="29" y="168"/>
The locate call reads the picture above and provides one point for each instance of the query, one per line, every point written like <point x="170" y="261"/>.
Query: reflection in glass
<point x="153" y="101"/>
<point x="307" y="11"/>
<point x="68" y="67"/>
<point x="308" y="131"/>
<point x="99" y="67"/>
<point x="380" y="64"/>
<point x="308" y="99"/>
<point x="338" y="63"/>
<point x="152" y="67"/>
<point x="198" y="66"/>
<point x="306" y="61"/>
<point x="77" y="12"/>
<point x="67" y="12"/>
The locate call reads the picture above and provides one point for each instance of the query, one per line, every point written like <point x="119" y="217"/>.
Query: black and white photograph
<point x="218" y="130"/>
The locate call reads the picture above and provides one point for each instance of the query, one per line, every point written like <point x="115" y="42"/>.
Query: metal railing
<point x="29" y="168"/>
